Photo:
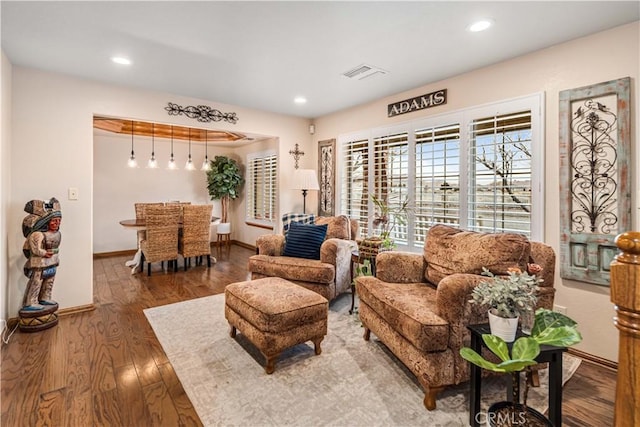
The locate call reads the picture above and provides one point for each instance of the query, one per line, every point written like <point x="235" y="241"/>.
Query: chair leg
<point x="208" y="261"/>
<point x="186" y="260"/>
<point x="148" y="269"/>
<point x="175" y="265"/>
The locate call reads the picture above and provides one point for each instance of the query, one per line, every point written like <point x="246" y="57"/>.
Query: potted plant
<point x="224" y="180"/>
<point x="550" y="328"/>
<point x="508" y="298"/>
<point x="386" y="217"/>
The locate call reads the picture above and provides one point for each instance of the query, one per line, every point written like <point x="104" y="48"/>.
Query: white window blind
<point x="354" y="191"/>
<point x="262" y="187"/>
<point x="479" y="169"/>
<point x="437" y="176"/>
<point x="391" y="175"/>
<point x="500" y="160"/>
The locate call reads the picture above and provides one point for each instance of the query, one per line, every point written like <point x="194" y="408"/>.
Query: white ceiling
<point x="263" y="54"/>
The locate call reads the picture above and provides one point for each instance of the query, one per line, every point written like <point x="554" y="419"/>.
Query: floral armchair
<point x="329" y="276"/>
<point x="419" y="306"/>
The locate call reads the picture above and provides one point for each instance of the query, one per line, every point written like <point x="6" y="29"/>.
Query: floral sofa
<point x="329" y="276"/>
<point x="419" y="306"/>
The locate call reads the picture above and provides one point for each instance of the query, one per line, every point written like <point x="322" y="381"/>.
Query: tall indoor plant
<point x="224" y="180"/>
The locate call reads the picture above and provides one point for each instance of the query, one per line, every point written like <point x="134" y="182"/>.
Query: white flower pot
<point x="503" y="327"/>
<point x="224" y="228"/>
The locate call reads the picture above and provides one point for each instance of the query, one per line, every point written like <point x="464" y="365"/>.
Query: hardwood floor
<point x="106" y="368"/>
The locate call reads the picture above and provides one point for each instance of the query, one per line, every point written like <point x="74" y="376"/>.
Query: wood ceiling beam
<point x="159" y="130"/>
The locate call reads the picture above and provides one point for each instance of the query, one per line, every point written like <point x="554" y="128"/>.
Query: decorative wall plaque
<point x="326" y="163"/>
<point x="421" y="102"/>
<point x="595" y="168"/>
<point x="201" y="113"/>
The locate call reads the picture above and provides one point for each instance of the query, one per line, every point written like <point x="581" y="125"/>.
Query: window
<point x="437" y="189"/>
<point x="355" y="183"/>
<point x="479" y="169"/>
<point x="391" y="175"/>
<point x="262" y="187"/>
<point x="499" y="193"/>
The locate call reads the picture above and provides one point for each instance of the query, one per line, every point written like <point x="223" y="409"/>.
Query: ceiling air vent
<point x="363" y="71"/>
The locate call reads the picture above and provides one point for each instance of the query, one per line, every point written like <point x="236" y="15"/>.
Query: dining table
<point x="140" y="224"/>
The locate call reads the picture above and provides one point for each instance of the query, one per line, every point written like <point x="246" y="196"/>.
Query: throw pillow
<point x="304" y="240"/>
<point x="288" y="218"/>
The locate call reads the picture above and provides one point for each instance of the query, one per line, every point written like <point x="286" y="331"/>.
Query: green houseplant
<point x="224" y="180"/>
<point x="550" y="328"/>
<point x="508" y="297"/>
<point x="386" y="217"/>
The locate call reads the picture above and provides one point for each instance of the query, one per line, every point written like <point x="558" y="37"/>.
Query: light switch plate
<point x="73" y="193"/>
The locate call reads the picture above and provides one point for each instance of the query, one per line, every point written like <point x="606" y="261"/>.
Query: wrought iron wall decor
<point x="201" y="113"/>
<point x="594" y="178"/>
<point x="326" y="163"/>
<point x="296" y="154"/>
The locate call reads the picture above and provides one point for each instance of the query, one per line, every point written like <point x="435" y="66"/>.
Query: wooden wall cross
<point x="296" y="155"/>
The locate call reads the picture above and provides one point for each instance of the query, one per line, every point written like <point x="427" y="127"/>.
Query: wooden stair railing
<point x="625" y="294"/>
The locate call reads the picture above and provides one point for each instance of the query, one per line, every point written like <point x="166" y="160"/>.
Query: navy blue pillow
<point x="304" y="240"/>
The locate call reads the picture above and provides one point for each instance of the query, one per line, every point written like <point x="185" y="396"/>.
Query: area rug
<point x="352" y="383"/>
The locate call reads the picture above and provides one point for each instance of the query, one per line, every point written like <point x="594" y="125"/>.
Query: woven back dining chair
<point x="140" y="215"/>
<point x="161" y="241"/>
<point x="196" y="234"/>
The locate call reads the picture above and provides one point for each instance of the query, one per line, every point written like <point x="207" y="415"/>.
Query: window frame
<point x="251" y="202"/>
<point x="464" y="118"/>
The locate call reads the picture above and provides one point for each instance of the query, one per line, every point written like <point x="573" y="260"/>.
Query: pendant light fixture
<point x="132" y="160"/>
<point x="205" y="164"/>
<point x="189" y="165"/>
<point x="153" y="163"/>
<point x="172" y="162"/>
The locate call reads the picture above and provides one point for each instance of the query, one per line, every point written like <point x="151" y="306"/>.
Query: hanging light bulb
<point x="153" y="163"/>
<point x="189" y="165"/>
<point x="205" y="164"/>
<point x="172" y="162"/>
<point x="132" y="160"/>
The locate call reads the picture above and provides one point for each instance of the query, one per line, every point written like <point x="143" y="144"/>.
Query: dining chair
<point x="178" y="203"/>
<point x="195" y="237"/>
<point x="161" y="241"/>
<point x="140" y="215"/>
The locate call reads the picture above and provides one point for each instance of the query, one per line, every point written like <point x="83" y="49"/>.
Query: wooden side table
<point x="548" y="353"/>
<point x="357" y="259"/>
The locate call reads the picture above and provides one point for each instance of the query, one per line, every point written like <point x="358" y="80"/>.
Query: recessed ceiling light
<point x="300" y="100"/>
<point x="121" y="60"/>
<point x="480" y="25"/>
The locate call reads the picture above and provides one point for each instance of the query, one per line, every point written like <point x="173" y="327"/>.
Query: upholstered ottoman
<point x="275" y="314"/>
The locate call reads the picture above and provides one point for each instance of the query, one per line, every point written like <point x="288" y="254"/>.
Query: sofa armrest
<point x="453" y="298"/>
<point x="334" y="250"/>
<point x="337" y="252"/>
<point x="400" y="267"/>
<point x="270" y="244"/>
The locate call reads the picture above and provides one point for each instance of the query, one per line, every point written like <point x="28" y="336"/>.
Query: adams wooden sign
<point x="421" y="102"/>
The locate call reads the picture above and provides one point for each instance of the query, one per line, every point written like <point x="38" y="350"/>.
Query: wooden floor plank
<point x="106" y="367"/>
<point x="161" y="408"/>
<point x="52" y="409"/>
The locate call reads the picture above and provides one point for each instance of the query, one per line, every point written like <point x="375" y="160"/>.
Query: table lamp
<point x="305" y="180"/>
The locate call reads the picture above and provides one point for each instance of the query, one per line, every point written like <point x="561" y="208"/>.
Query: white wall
<point x="116" y="187"/>
<point x="52" y="150"/>
<point x="601" y="57"/>
<point x="5" y="177"/>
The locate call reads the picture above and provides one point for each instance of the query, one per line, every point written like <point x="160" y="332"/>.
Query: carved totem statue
<point x="41" y="228"/>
